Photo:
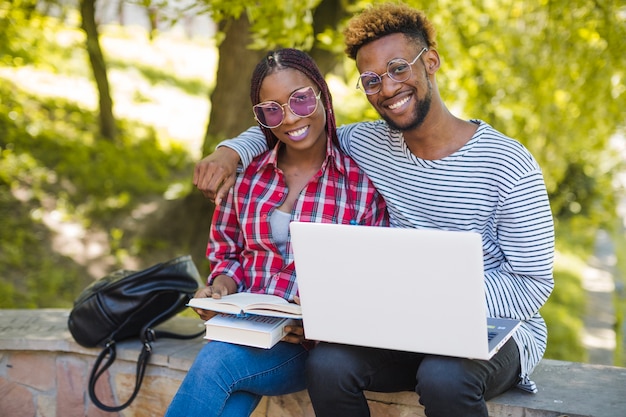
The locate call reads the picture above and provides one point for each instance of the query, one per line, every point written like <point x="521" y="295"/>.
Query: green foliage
<point x="27" y="35"/>
<point x="33" y="276"/>
<point x="52" y="162"/>
<point x="565" y="310"/>
<point x="274" y="23"/>
<point x="15" y="35"/>
<point x="553" y="80"/>
<point x="94" y="176"/>
<point x="158" y="76"/>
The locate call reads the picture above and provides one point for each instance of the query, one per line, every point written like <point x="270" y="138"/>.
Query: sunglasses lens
<point x="303" y="102"/>
<point x="269" y="114"/>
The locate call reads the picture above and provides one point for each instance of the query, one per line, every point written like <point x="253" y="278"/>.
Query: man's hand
<point x="295" y="333"/>
<point x="215" y="174"/>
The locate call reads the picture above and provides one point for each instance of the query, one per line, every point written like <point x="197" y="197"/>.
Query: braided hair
<point x="281" y="59"/>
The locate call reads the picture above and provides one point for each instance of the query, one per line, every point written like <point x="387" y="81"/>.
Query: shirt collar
<point x="333" y="155"/>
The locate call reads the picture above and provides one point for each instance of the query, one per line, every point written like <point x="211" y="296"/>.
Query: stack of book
<point x="257" y="320"/>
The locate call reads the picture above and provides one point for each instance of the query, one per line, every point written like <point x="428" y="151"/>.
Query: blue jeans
<point x="337" y="375"/>
<point x="229" y="380"/>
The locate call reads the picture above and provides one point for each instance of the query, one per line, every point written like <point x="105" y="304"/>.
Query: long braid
<point x="300" y="61"/>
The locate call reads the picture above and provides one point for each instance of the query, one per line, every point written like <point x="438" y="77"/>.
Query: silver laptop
<point x="404" y="289"/>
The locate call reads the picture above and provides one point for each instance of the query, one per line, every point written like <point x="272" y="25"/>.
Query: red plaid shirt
<point x="241" y="244"/>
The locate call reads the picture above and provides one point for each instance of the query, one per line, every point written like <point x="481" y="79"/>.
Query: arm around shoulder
<point x="215" y="174"/>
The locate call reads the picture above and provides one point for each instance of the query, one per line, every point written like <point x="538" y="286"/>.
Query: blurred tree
<point x="108" y="127"/>
<point x="19" y="20"/>
<point x="230" y="112"/>
<point x="328" y="20"/>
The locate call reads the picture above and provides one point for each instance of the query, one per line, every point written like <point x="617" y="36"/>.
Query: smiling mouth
<point x="399" y="103"/>
<point x="298" y="132"/>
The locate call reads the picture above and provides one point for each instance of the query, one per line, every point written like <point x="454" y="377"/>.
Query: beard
<point x="421" y="110"/>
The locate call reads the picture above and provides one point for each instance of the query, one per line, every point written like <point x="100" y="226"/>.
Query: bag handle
<point x="147" y="336"/>
<point x="110" y="352"/>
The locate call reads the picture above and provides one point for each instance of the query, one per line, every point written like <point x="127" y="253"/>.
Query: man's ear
<point x="432" y="60"/>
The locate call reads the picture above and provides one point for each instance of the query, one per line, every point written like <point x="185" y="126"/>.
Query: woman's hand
<point x="222" y="285"/>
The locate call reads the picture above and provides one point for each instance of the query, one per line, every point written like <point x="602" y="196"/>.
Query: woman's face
<point x="292" y="86"/>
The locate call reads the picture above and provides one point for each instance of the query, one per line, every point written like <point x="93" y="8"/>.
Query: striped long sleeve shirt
<point x="493" y="186"/>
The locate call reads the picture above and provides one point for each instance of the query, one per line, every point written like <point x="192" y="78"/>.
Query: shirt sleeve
<point x="248" y="145"/>
<point x="251" y="143"/>
<point x="378" y="211"/>
<point x="520" y="286"/>
<point x="226" y="244"/>
<point x="374" y="209"/>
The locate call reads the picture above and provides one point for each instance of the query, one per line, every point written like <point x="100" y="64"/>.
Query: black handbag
<point x="127" y="304"/>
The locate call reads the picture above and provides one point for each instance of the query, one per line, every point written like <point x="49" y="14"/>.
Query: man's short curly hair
<point x="385" y="19"/>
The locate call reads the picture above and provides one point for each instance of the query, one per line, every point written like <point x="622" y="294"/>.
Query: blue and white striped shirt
<point x="492" y="185"/>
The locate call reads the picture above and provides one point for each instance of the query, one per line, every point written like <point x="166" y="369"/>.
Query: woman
<point x="303" y="177"/>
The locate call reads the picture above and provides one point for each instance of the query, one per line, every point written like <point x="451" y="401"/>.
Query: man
<point x="440" y="172"/>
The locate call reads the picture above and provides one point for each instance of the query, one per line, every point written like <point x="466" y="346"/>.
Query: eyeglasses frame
<point x="359" y="83"/>
<point x="282" y="106"/>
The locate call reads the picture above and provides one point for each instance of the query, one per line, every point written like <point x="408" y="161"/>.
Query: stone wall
<point x="44" y="373"/>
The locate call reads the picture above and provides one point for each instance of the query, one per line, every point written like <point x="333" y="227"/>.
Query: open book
<point x="245" y="303"/>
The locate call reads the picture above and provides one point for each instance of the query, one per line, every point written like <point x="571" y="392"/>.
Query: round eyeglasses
<point x="302" y="103"/>
<point x="398" y="69"/>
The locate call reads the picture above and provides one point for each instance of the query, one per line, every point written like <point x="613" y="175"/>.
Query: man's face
<point x="403" y="105"/>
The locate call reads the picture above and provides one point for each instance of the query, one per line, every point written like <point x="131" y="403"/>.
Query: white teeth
<point x="298" y="132"/>
<point x="399" y="103"/>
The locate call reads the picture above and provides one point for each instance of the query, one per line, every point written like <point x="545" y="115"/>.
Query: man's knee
<point x="332" y="365"/>
<point x="327" y="360"/>
<point x="446" y="377"/>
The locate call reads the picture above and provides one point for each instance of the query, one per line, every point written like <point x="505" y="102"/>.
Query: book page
<point x="244" y="302"/>
<point x="273" y="310"/>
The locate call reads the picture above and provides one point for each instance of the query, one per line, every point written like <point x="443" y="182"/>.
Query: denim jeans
<point x="229" y="380"/>
<point x="447" y="386"/>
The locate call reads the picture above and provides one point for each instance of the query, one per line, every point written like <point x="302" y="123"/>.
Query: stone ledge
<point x="565" y="388"/>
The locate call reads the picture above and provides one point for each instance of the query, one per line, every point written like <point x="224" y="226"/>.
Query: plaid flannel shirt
<point x="241" y="244"/>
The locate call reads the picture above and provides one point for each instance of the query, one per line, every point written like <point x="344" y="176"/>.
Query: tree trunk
<point x="328" y="15"/>
<point x="231" y="110"/>
<point x="107" y="121"/>
<point x="231" y="114"/>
